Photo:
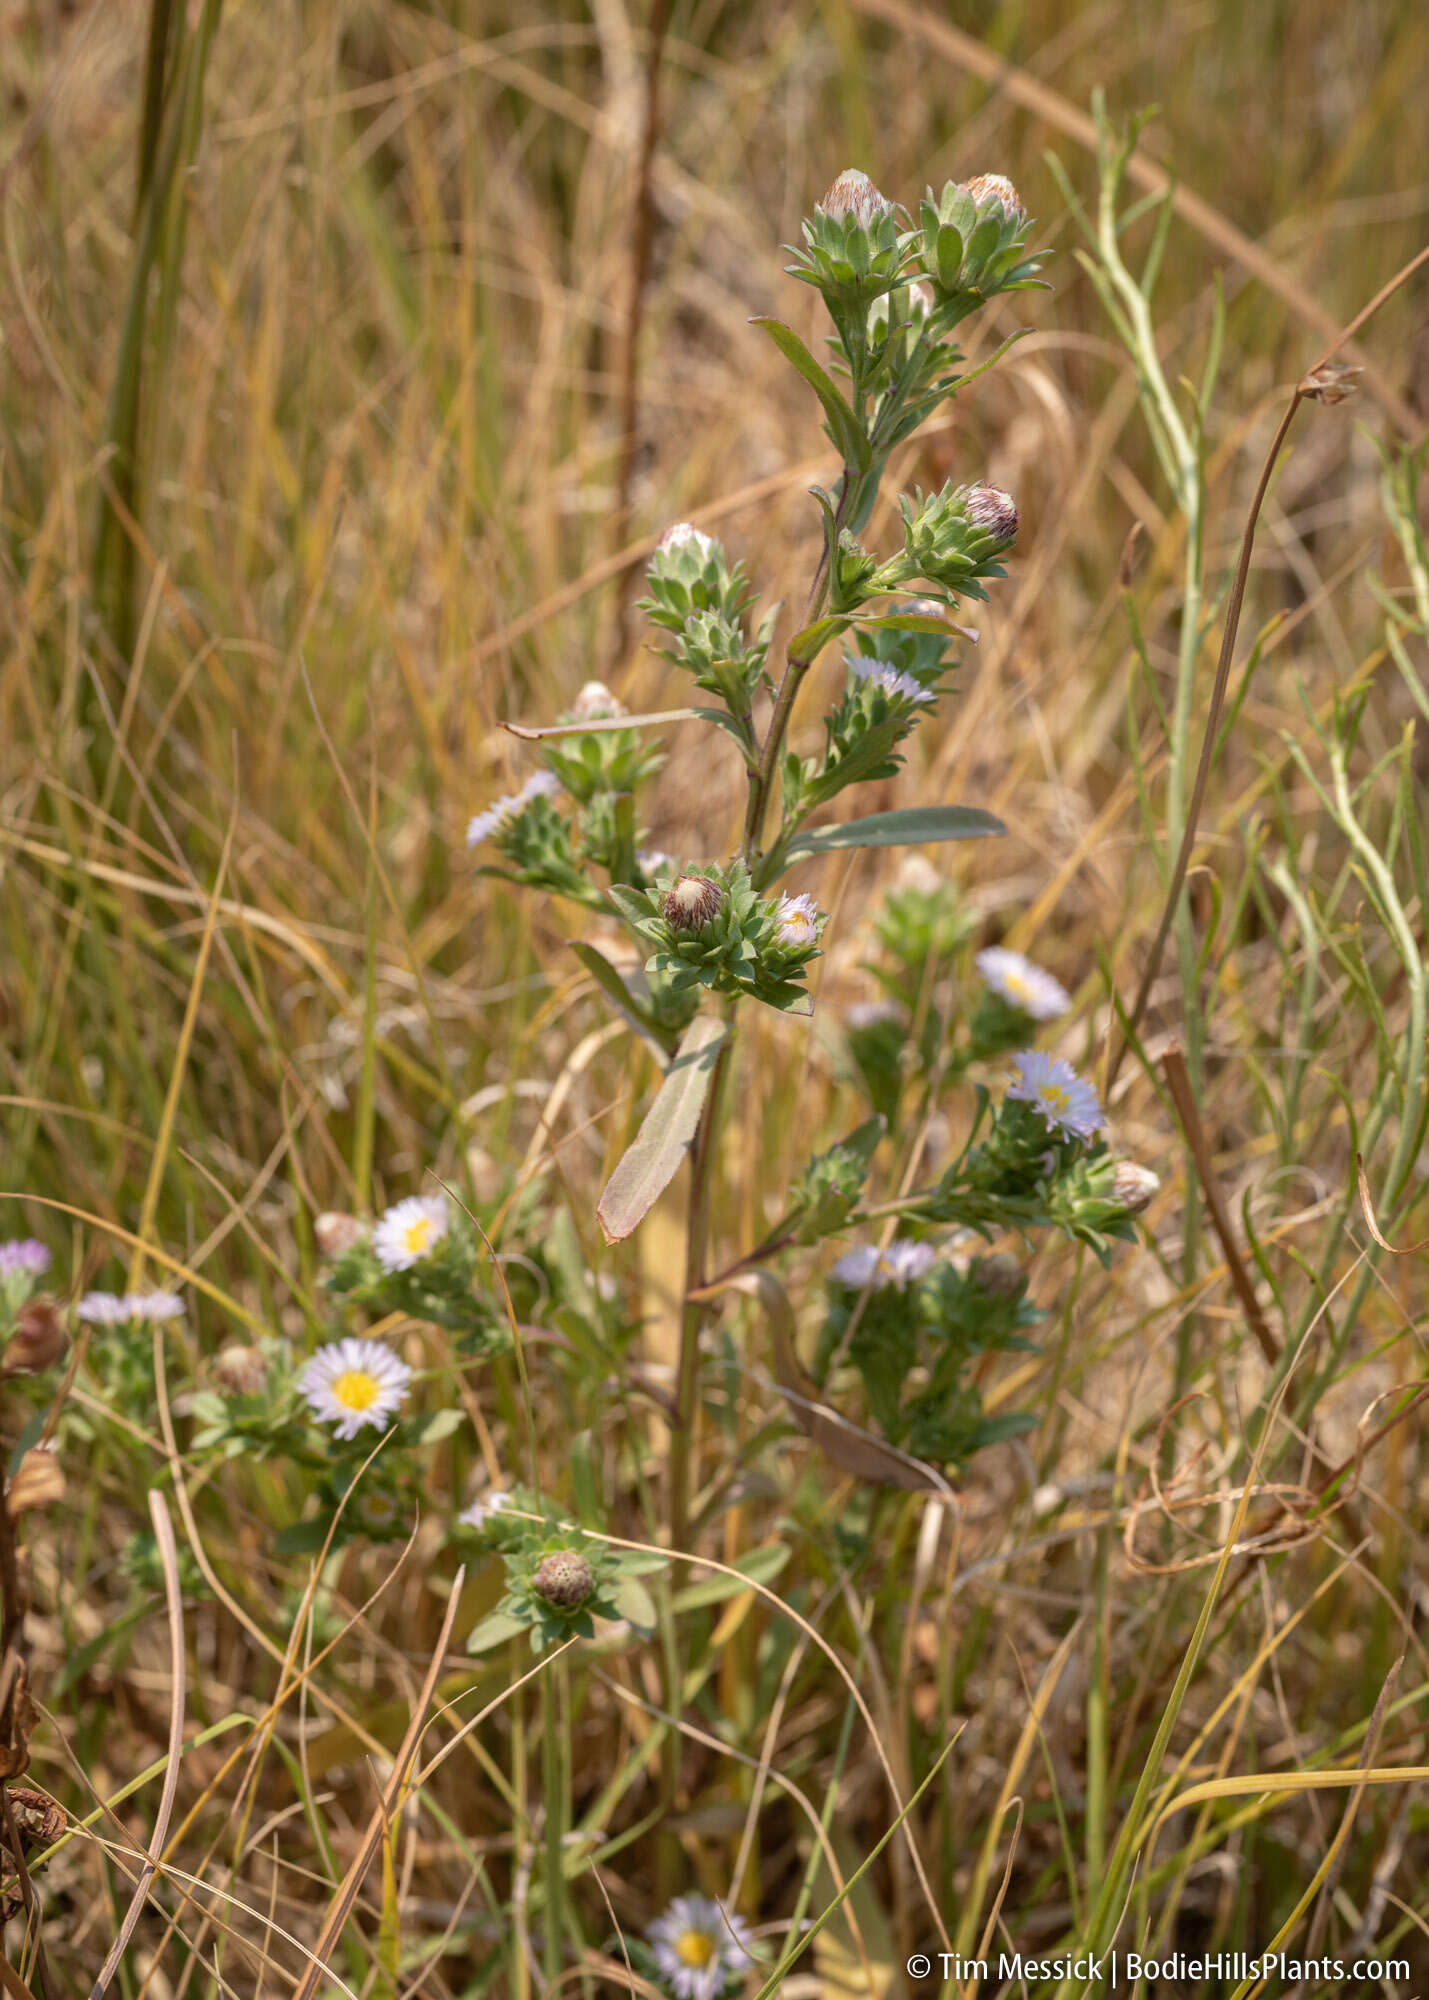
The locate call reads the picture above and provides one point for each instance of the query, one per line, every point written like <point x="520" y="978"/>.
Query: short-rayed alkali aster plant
<point x="907" y="1307"/>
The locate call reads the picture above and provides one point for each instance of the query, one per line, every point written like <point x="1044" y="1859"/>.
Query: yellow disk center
<point x="417" y="1236"/>
<point x="695" y="1949"/>
<point x="355" y="1389"/>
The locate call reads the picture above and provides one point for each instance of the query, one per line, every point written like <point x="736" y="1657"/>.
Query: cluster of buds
<point x="700" y="599"/>
<point x="534" y="840"/>
<point x="608" y="762"/>
<point x="714" y="930"/>
<point x="887" y="688"/>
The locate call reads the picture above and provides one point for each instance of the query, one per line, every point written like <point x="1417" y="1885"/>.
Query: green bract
<point x="737" y="950"/>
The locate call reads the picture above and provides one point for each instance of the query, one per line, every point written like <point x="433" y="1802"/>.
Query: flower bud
<point x="337" y="1233"/>
<point x="992" y="510"/>
<point x="853" y="193"/>
<point x="596" y="703"/>
<point x="691" y="902"/>
<point x="564" y="1579"/>
<point x="241" y="1371"/>
<point x="1133" y="1186"/>
<point x="1331" y="383"/>
<point x="685" y="535"/>
<point x="37" y="1482"/>
<point x="39" y="1339"/>
<point x="988" y="190"/>
<point x="1000" y="1276"/>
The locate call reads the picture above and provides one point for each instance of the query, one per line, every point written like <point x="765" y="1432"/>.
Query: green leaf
<point x="809" y="643"/>
<point x="615" y="990"/>
<point x="669" y="1125"/>
<point x="847" y="432"/>
<point x="630" y="903"/>
<point x="438" y="1425"/>
<point x="494" y="1630"/>
<point x="759" y="1566"/>
<point x="635" y="1604"/>
<point x="302" y="1538"/>
<point x="913" y="827"/>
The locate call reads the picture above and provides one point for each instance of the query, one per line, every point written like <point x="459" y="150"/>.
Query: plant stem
<point x="554" y="1809"/>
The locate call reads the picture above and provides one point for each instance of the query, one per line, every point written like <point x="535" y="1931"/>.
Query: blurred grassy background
<point x="371" y="514"/>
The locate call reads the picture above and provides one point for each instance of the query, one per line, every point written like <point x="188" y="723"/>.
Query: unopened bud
<point x="853" y="193"/>
<point x="1000" y="1276"/>
<point x="1133" y="1186"/>
<point x="691" y="902"/>
<point x="337" y="1233"/>
<point x="37" y="1482"/>
<point x="241" y="1371"/>
<point x="596" y="703"/>
<point x="989" y="189"/>
<point x="564" y="1579"/>
<point x="39" y="1339"/>
<point x="989" y="508"/>
<point x="685" y="535"/>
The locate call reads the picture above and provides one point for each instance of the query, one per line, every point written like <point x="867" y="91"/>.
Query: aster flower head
<point x="996" y="191"/>
<point x="410" y="1231"/>
<point x="853" y="193"/>
<point x="697" y="1947"/>
<point x="653" y="861"/>
<point x="129" y="1308"/>
<point x="354" y="1382"/>
<point x="481" y="1510"/>
<point x="1022" y="984"/>
<point x="540" y="785"/>
<point x="895" y="685"/>
<point x="564" y="1579"/>
<point x="1134" y="1186"/>
<point x="685" y="535"/>
<point x="596" y="703"/>
<point x="25" y="1258"/>
<point x="900" y="1264"/>
<point x="798" y="918"/>
<point x="691" y="902"/>
<point x="989" y="508"/>
<point x="1067" y="1103"/>
<point x="866" y="1014"/>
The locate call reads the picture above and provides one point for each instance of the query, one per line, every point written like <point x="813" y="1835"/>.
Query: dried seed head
<point x="1000" y="1276"/>
<point x="40" y="1820"/>
<point x="39" y="1339"/>
<point x="853" y="193"/>
<point x="987" y="189"/>
<point x="564" y="1579"/>
<point x="989" y="508"/>
<point x="1333" y="382"/>
<point x="336" y="1233"/>
<point x="37" y="1482"/>
<point x="241" y="1371"/>
<point x="1133" y="1186"/>
<point x="691" y="902"/>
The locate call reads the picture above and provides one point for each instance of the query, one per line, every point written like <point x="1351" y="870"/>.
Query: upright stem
<point x="554" y="1807"/>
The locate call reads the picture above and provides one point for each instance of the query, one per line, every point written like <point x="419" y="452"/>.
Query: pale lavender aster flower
<point x="1022" y="984"/>
<point x="410" y="1231"/>
<point x="1066" y="1102"/>
<point x="26" y="1257"/>
<point x="798" y="919"/>
<point x="897" y="686"/>
<point x="481" y="1510"/>
<point x="697" y="1947"/>
<point x="130" y="1308"/>
<point x="540" y="785"/>
<point x="900" y="1264"/>
<point x="354" y="1382"/>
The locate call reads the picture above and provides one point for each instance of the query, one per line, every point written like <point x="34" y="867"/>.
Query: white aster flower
<point x="410" y="1231"/>
<point x="900" y="1264"/>
<point x="686" y="535"/>
<point x="354" y="1382"/>
<point x="481" y="1510"/>
<point x="111" y="1309"/>
<point x="1067" y="1102"/>
<point x="866" y="1014"/>
<point x="696" y="1947"/>
<point x="798" y="919"/>
<point x="1022" y="984"/>
<point x="540" y="785"/>
<point x="897" y="686"/>
<point x="653" y="861"/>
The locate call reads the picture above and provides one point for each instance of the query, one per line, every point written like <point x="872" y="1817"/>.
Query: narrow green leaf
<point x="669" y="1125"/>
<point x="761" y="1565"/>
<point x="848" y="433"/>
<point x="635" y="1604"/>
<point x="618" y="993"/>
<point x="911" y="828"/>
<point x="808" y="644"/>
<point x="495" y="1628"/>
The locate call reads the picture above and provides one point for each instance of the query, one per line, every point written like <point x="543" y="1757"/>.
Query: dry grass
<point x="378" y="457"/>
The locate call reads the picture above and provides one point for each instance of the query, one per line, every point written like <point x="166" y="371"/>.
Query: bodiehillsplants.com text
<point x="1113" y="1966"/>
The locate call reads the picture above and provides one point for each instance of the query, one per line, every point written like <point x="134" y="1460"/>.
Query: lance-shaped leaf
<point x="649" y="1166"/>
<point x="844" y="427"/>
<point x="615" y="989"/>
<point x="912" y="827"/>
